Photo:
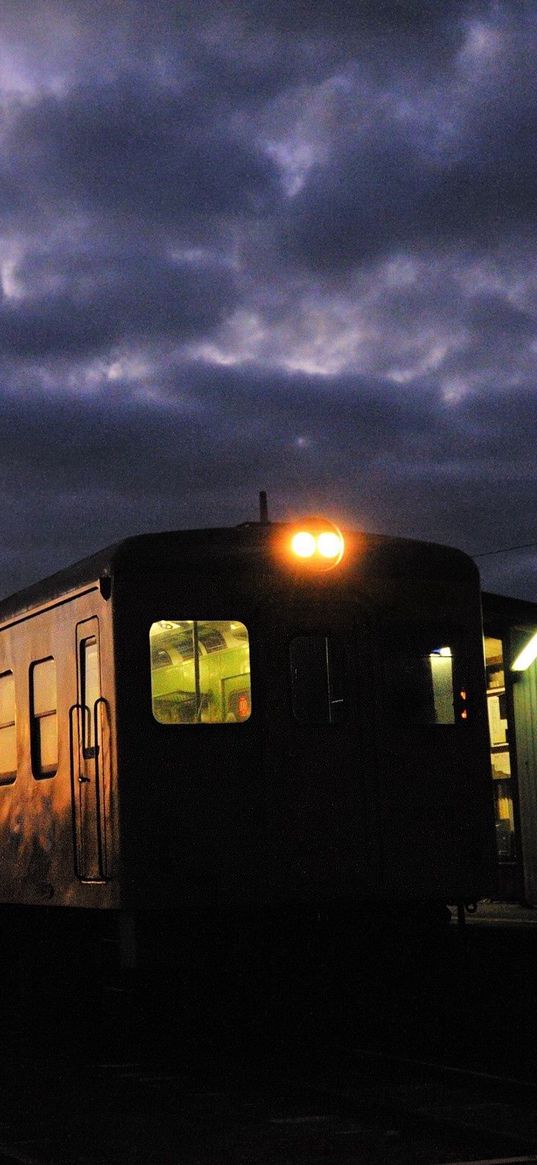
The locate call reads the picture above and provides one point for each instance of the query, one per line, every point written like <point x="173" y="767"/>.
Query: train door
<point x="318" y="751"/>
<point x="89" y="757"/>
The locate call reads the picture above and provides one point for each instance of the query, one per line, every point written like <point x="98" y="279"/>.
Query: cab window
<point x="318" y="679"/>
<point x="420" y="682"/>
<point x="200" y="671"/>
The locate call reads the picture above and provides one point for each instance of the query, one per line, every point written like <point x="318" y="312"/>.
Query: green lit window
<point x="200" y="671"/>
<point x="8" y="741"/>
<point x="44" y="718"/>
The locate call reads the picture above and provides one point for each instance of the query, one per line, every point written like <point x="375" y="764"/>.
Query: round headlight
<point x="318" y="543"/>
<point x="303" y="544"/>
<point x="329" y="544"/>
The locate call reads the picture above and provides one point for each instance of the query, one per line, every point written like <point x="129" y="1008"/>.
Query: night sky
<point x="271" y="245"/>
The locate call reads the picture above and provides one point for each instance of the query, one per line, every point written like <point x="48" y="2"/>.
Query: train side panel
<point x="58" y="804"/>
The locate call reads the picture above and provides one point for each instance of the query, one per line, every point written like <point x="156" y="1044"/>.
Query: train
<point x="268" y="717"/>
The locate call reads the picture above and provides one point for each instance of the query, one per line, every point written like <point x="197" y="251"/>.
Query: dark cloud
<point x="383" y="191"/>
<point x="85" y="303"/>
<point x="253" y="245"/>
<point x="102" y="465"/>
<point x="134" y="151"/>
<point x="448" y="162"/>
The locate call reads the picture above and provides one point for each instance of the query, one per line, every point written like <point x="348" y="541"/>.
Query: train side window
<point x="318" y="679"/>
<point x="421" y="686"/>
<point x="8" y="740"/>
<point x="44" y="718"/>
<point x="200" y="671"/>
<point x="90" y="690"/>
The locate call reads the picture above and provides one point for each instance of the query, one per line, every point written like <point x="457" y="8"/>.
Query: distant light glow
<point x="526" y="656"/>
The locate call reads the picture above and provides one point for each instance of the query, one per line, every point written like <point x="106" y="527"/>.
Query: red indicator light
<point x="243" y="706"/>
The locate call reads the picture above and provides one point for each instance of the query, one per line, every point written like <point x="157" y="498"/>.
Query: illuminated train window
<point x="8" y="742"/>
<point x="200" y="671"/>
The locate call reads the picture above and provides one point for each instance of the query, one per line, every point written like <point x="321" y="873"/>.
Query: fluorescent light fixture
<point x="526" y="656"/>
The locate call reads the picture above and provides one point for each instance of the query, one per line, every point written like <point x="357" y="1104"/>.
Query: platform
<point x="502" y="914"/>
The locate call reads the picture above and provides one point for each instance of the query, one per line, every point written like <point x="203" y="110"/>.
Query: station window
<point x="8" y="741"/>
<point x="500" y="753"/>
<point x="44" y="718"/>
<point x="200" y="671"/>
<point x="318" y="680"/>
<point x="420" y="683"/>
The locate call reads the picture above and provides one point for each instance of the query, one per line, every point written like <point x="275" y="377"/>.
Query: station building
<point x="510" y="628"/>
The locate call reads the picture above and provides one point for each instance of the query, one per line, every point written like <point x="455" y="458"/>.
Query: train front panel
<point x="286" y="736"/>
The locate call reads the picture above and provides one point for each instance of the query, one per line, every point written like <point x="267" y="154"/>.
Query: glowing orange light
<point x="303" y="544"/>
<point x="318" y="542"/>
<point x="329" y="544"/>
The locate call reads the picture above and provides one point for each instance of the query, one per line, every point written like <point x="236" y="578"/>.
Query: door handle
<point x="82" y="780"/>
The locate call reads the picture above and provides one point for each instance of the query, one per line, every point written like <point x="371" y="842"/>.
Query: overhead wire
<point x="506" y="549"/>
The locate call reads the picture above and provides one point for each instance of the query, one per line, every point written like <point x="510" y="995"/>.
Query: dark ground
<point x="330" y="1053"/>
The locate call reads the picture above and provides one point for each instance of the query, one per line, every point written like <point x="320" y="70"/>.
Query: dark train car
<point x="243" y="718"/>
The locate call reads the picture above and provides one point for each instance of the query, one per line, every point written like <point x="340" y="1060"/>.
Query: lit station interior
<point x="510" y="627"/>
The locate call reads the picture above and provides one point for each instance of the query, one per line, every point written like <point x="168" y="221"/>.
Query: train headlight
<point x="318" y="543"/>
<point x="329" y="545"/>
<point x="303" y="544"/>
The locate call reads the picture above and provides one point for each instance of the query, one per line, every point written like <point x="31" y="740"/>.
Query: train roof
<point x="380" y="554"/>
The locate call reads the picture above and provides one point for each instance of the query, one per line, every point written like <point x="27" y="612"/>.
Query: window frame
<point x="88" y="742"/>
<point x="38" y="772"/>
<point x="201" y="652"/>
<point x="10" y="776"/>
<point x="333" y="652"/>
<point x="415" y="642"/>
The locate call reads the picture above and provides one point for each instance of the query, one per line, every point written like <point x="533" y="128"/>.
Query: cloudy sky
<point x="274" y="245"/>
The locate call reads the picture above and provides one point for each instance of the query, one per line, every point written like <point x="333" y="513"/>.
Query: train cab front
<point x="299" y="721"/>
